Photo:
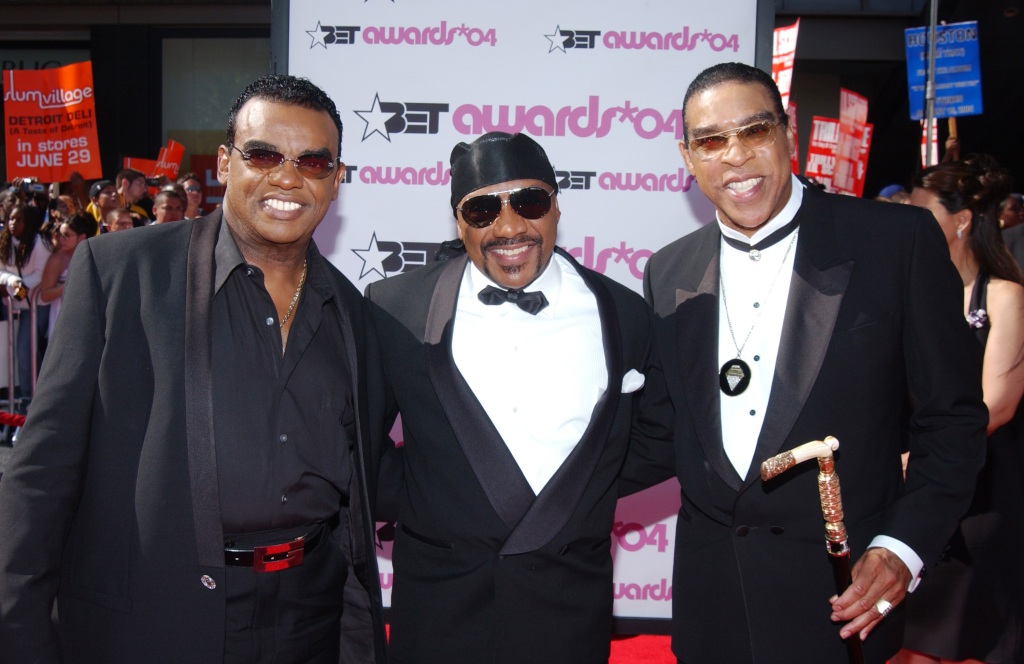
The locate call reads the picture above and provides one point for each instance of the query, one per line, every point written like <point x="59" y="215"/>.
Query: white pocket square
<point x="632" y="381"/>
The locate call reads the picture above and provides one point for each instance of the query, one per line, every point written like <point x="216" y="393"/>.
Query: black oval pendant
<point x="734" y="377"/>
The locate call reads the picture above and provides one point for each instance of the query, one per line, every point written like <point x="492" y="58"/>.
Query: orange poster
<point x="50" y="123"/>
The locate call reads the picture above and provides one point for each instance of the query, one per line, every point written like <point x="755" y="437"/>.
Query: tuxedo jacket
<point x="486" y="571"/>
<point x="111" y="502"/>
<point x="874" y="351"/>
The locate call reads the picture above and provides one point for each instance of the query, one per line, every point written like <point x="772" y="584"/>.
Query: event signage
<point x="167" y="163"/>
<point x="821" y="150"/>
<point x="50" y="123"/>
<point x="783" y="54"/>
<point x="957" y="70"/>
<point x="851" y="149"/>
<point x="598" y="83"/>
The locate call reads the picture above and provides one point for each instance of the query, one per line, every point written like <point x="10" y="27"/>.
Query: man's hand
<point x="879" y="575"/>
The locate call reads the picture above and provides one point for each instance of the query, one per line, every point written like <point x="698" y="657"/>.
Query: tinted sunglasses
<point x="309" y="165"/>
<point x="752" y="136"/>
<point x="527" y="202"/>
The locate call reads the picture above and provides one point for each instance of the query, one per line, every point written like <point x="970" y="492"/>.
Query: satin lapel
<point x="820" y="278"/>
<point x="202" y="456"/>
<point x="494" y="466"/>
<point x="697" y="348"/>
<point x="561" y="495"/>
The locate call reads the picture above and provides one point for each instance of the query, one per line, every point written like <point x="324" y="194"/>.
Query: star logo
<point x="318" y="36"/>
<point x="373" y="258"/>
<point x="376" y="120"/>
<point x="557" y="41"/>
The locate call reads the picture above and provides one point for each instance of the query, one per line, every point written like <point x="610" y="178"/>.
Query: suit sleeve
<point x="650" y="459"/>
<point x="390" y="479"/>
<point x="948" y="419"/>
<point x="40" y="490"/>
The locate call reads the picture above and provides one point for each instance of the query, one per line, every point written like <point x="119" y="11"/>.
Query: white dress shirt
<point x="538" y="377"/>
<point x="757" y="293"/>
<point x="746" y="285"/>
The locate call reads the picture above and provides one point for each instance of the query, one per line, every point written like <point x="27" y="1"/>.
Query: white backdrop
<point x="598" y="83"/>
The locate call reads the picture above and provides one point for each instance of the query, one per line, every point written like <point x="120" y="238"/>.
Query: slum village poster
<point x="50" y="123"/>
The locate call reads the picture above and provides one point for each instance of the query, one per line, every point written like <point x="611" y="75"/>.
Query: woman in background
<point x="969" y="608"/>
<point x="70" y="233"/>
<point x="23" y="255"/>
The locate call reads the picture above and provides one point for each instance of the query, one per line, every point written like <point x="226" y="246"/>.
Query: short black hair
<point x="729" y="72"/>
<point x="286" y="90"/>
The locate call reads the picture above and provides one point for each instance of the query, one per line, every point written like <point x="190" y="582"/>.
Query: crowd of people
<point x="210" y="442"/>
<point x="42" y="225"/>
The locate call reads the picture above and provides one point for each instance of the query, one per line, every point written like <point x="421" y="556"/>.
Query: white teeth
<point x="511" y="252"/>
<point x="284" y="206"/>
<point x="744" y="185"/>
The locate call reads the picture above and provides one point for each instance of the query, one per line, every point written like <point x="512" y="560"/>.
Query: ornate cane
<point x="831" y="509"/>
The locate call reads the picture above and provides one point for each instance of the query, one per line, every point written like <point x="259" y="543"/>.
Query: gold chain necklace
<point x="295" y="298"/>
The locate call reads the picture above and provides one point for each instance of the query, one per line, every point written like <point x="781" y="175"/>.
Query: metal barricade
<point x="14" y="402"/>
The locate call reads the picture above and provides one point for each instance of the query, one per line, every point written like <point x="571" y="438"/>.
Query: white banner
<point x="597" y="83"/>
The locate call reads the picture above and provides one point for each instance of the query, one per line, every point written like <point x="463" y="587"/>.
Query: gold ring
<point x="883" y="607"/>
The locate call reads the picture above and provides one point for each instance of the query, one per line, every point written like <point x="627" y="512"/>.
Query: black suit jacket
<point x="111" y="501"/>
<point x="874" y="351"/>
<point x="485" y="571"/>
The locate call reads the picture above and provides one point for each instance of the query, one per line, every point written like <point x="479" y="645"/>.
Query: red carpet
<point x="642" y="649"/>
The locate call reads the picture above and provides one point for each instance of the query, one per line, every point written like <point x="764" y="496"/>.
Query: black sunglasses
<point x="309" y="165"/>
<point x="528" y="202"/>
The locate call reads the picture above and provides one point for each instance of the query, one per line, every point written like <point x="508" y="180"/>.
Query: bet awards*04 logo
<point x="564" y="40"/>
<point x="392" y="117"/>
<point x="441" y="34"/>
<point x="387" y="257"/>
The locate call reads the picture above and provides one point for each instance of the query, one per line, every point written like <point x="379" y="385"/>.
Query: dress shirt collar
<point x="227" y="257"/>
<point x="549" y="281"/>
<point x="786" y="215"/>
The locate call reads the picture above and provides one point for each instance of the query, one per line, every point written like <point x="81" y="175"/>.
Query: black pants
<point x="286" y="617"/>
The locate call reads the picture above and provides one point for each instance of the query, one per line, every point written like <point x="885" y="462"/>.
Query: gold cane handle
<point x="780" y="463"/>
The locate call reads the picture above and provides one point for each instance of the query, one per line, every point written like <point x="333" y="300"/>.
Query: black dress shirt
<point x="284" y="425"/>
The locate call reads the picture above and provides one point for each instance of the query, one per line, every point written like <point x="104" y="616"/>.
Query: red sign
<point x="794" y="155"/>
<point x="851" y="159"/>
<point x="783" y="53"/>
<point x="51" y="123"/>
<point x="821" y="152"/>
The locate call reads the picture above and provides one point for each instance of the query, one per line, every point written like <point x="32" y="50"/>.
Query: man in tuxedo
<point x="191" y="485"/>
<point x="516" y="373"/>
<point x="795" y="316"/>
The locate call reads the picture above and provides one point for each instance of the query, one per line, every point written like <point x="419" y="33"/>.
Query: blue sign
<point x="957" y="70"/>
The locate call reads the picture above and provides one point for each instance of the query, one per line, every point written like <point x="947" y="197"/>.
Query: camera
<point x="153" y="182"/>
<point x="33" y="187"/>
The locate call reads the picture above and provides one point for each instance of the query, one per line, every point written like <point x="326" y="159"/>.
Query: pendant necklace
<point x="734" y="376"/>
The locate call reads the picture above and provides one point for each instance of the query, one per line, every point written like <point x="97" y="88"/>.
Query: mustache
<point x="519" y="239"/>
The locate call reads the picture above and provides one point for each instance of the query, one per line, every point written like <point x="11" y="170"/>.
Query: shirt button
<point x="741" y="531"/>
<point x="515" y="409"/>
<point x="757" y="305"/>
<point x="752" y="411"/>
<point x="208" y="581"/>
<point x="757" y="358"/>
<point x="270" y="320"/>
<point x="284" y="499"/>
<point x="249" y="271"/>
<point x="283" y="438"/>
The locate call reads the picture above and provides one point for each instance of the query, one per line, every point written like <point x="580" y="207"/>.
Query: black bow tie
<point x="756" y="249"/>
<point x="531" y="302"/>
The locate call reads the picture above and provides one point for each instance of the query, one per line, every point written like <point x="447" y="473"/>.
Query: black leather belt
<point x="276" y="557"/>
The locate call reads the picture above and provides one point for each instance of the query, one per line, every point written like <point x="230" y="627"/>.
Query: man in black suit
<point x="800" y="315"/>
<point x="516" y="373"/>
<point x="191" y="485"/>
